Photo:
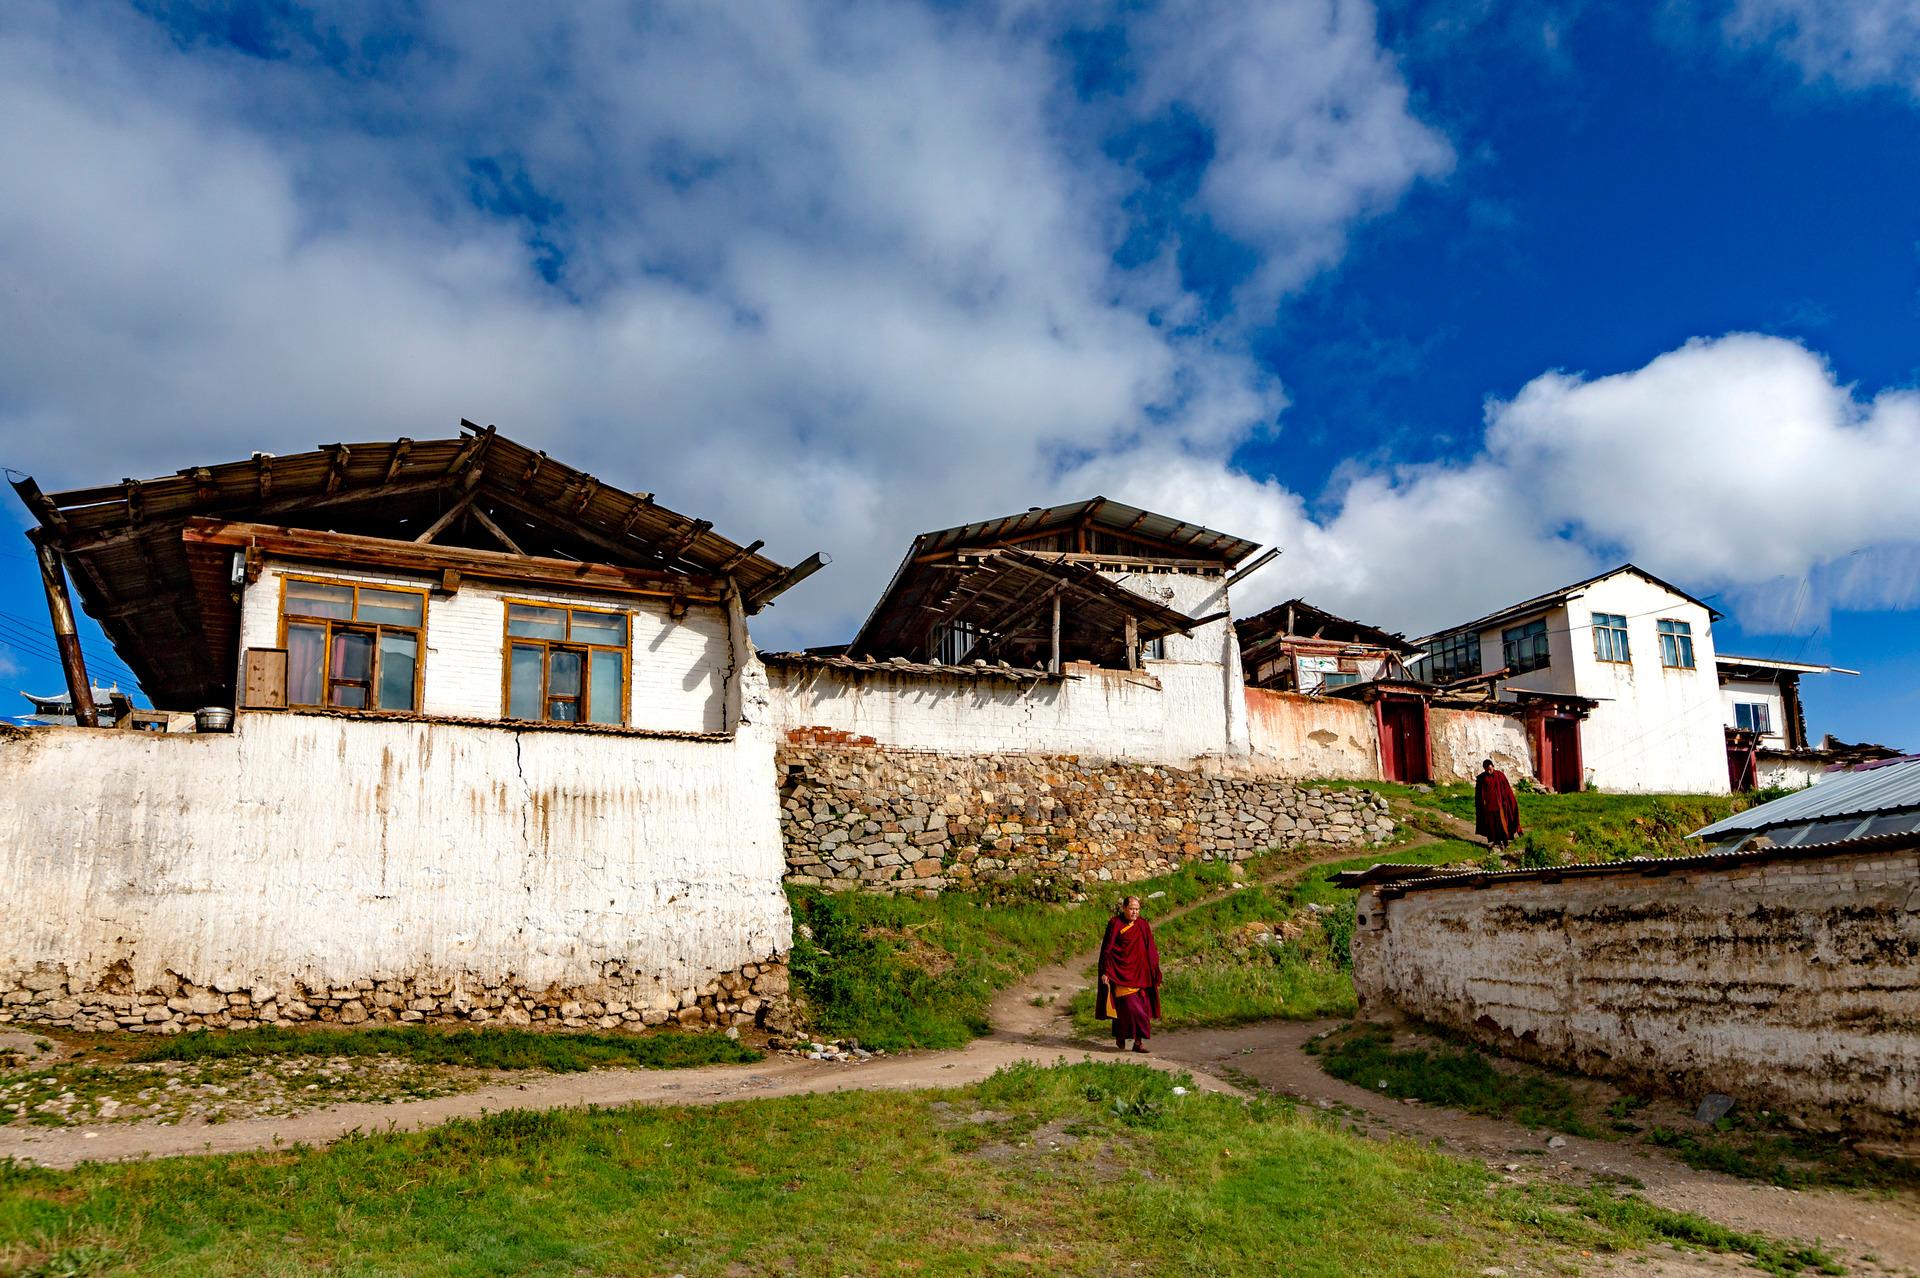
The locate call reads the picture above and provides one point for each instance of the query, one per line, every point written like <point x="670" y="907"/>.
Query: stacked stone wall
<point x="856" y="816"/>
<point x="753" y="994"/>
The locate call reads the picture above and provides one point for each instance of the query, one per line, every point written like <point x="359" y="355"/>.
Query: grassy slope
<point x="477" y="1048"/>
<point x="903" y="971"/>
<point x="1600" y="827"/>
<point x="1094" y="1169"/>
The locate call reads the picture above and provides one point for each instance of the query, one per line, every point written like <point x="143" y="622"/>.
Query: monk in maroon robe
<point x="1496" y="813"/>
<point x="1129" y="990"/>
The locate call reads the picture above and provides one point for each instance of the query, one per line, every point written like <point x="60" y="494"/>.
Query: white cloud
<point x="831" y="274"/>
<point x="1853" y="43"/>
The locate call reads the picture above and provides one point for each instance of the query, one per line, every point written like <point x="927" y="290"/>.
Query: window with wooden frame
<point x="1454" y="656"/>
<point x="1676" y="645"/>
<point x="1753" y="716"/>
<point x="566" y="664"/>
<point x="351" y="646"/>
<point x="1524" y="648"/>
<point x="1610" y="637"/>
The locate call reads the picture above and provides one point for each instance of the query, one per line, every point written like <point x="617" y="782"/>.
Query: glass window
<point x="566" y="664"/>
<point x="352" y="647"/>
<point x="1753" y="716"/>
<point x="1452" y="657"/>
<point x="1676" y="645"/>
<point x="1524" y="648"/>
<point x="1610" y="637"/>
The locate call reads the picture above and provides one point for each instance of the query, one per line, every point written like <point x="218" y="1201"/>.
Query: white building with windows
<point x="481" y="738"/>
<point x="1632" y="652"/>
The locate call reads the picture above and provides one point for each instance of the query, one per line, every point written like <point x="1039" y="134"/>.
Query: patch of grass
<point x="906" y="971"/>
<point x="505" y="1048"/>
<point x="1561" y="828"/>
<point x="1081" y="1170"/>
<point x="1457" y="1077"/>
<point x="1217" y="973"/>
<point x="1765" y="1149"/>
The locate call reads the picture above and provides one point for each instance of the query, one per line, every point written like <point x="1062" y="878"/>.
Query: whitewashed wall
<point x="1461" y="739"/>
<point x="1294" y="735"/>
<point x="678" y="673"/>
<point x="321" y="850"/>
<point x="1761" y="691"/>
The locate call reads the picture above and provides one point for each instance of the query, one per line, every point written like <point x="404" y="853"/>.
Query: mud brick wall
<point x="854" y="815"/>
<point x="1792" y="984"/>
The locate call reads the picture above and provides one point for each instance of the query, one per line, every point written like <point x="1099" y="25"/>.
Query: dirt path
<point x="1031" y="1025"/>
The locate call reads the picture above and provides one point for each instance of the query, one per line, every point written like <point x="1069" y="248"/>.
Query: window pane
<point x="523" y="682"/>
<point x="530" y="622"/>
<point x="351" y="662"/>
<point x="318" y="599"/>
<point x="398" y="655"/>
<point x="389" y="607"/>
<point x="600" y="627"/>
<point x="306" y="646"/>
<point x="605" y="684"/>
<point x="564" y="674"/>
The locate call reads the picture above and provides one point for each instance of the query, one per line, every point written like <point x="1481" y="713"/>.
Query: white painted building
<point x="499" y="750"/>
<point x="1632" y="653"/>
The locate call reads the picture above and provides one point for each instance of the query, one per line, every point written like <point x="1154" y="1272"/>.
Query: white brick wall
<point x="678" y="673"/>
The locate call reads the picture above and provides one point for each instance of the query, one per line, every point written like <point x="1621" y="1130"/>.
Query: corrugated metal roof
<point x="1555" y="597"/>
<point x="1880" y="787"/>
<point x="1396" y="878"/>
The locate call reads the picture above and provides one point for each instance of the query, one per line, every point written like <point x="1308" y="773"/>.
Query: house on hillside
<point x="1616" y="674"/>
<point x="1766" y="727"/>
<point x="1296" y="647"/>
<point x="1089" y="628"/>
<point x="481" y="739"/>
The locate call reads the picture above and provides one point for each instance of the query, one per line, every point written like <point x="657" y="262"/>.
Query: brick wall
<point x="858" y="816"/>
<point x="1793" y="984"/>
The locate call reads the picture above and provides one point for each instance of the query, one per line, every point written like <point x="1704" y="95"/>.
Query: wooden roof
<point x="1298" y="619"/>
<point x="1006" y="594"/>
<point x="1097" y="525"/>
<point x="152" y="567"/>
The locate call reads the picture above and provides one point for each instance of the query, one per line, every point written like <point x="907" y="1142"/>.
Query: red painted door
<point x="1562" y="764"/>
<point x="1742" y="765"/>
<point x="1403" y="740"/>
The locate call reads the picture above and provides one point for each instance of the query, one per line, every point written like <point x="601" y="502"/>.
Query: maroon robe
<point x="1496" y="813"/>
<point x="1129" y="958"/>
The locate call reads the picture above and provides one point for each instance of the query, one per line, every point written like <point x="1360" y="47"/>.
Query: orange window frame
<point x="586" y="649"/>
<point x="355" y="626"/>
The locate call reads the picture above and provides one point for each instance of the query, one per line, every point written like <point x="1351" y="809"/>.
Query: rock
<point x="1715" y="1107"/>
<point x="1556" y="1142"/>
<point x="352" y="1012"/>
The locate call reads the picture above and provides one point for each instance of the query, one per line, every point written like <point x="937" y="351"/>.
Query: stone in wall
<point x="756" y="994"/>
<point x="853" y="815"/>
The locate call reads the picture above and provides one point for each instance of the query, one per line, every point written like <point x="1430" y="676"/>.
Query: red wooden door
<point x="1403" y="739"/>
<point x="1562" y="764"/>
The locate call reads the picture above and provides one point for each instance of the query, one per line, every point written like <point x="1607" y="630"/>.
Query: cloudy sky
<point x="1453" y="305"/>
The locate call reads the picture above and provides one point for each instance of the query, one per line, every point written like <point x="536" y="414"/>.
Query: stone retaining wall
<point x="754" y="994"/>
<point x="853" y="815"/>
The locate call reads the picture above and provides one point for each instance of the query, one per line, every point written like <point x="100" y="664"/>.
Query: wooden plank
<point x="396" y="459"/>
<point x="452" y="513"/>
<point x="499" y="533"/>
<point x="264" y="685"/>
<point x="489" y="565"/>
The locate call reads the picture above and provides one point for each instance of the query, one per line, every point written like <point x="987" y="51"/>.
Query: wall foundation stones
<point x="856" y="816"/>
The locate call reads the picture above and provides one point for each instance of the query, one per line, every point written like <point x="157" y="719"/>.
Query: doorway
<point x="1560" y="766"/>
<point x="1403" y="740"/>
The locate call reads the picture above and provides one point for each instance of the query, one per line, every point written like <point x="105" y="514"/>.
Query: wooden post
<point x="1053" y="665"/>
<point x="1133" y="642"/>
<point x="60" y="608"/>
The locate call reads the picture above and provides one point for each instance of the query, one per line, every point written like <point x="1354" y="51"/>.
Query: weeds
<point x="504" y="1049"/>
<point x="1460" y="1078"/>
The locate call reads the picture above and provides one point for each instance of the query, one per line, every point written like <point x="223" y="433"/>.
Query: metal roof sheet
<point x="1878" y="787"/>
<point x="1553" y="598"/>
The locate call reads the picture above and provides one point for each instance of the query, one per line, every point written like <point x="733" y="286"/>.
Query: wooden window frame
<point x="1603" y="623"/>
<point x="355" y="625"/>
<point x="1464" y="644"/>
<point x="569" y="644"/>
<point x="1685" y="632"/>
<point x="1759" y="717"/>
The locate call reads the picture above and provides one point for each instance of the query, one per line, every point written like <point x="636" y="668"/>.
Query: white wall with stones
<point x="308" y="866"/>
<point x="1793" y="984"/>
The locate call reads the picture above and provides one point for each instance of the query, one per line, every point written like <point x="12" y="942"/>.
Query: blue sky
<point x="1453" y="301"/>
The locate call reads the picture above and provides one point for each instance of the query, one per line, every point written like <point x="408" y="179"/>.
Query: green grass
<point x="1765" y="1149"/>
<point x="476" y="1048"/>
<point x="1457" y="1077"/>
<point x="1082" y="1170"/>
<point x="1213" y="976"/>
<point x="905" y="971"/>
<point x="1598" y="827"/>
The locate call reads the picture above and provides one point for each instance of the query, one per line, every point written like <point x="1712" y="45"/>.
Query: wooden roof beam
<point x="397" y="458"/>
<point x="337" y="467"/>
<point x="674" y="545"/>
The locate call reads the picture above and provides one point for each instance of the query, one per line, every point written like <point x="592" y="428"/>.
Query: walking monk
<point x="1129" y="991"/>
<point x="1496" y="813"/>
